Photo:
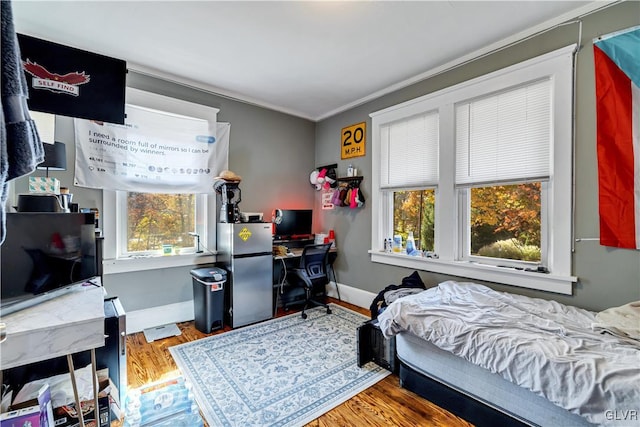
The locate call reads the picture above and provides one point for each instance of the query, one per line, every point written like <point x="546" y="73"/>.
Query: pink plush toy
<point x="321" y="176"/>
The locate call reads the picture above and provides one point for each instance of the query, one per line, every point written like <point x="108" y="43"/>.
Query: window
<point x="409" y="173"/>
<point x="413" y="215"/>
<point x="480" y="173"/>
<point x="504" y="223"/>
<point x="140" y="227"/>
<point x="160" y="223"/>
<point x="504" y="137"/>
<point x="137" y="225"/>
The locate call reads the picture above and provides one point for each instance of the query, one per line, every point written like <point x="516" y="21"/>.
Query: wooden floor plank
<point x="383" y="404"/>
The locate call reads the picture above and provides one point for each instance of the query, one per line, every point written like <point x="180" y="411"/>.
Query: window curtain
<point x="505" y="137"/>
<point x="410" y="152"/>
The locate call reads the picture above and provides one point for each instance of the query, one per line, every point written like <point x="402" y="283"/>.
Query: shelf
<point x="351" y="178"/>
<point x="331" y="166"/>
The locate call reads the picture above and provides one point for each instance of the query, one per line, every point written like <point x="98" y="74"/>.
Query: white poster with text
<point x="153" y="152"/>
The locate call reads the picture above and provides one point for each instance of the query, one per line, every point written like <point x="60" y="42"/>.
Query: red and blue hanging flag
<point x="617" y="78"/>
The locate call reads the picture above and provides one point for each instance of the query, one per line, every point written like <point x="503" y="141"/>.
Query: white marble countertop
<point x="64" y="325"/>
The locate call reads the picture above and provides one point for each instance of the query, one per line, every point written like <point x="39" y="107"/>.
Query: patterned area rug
<point x="285" y="371"/>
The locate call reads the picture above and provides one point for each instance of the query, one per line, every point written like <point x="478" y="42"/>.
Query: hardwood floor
<point x="383" y="404"/>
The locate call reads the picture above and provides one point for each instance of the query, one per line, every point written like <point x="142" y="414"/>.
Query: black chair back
<point x="314" y="261"/>
<point x="312" y="274"/>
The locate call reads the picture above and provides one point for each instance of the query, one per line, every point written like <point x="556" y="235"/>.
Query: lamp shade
<point x="55" y="157"/>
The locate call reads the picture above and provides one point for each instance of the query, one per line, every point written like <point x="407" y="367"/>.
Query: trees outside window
<point x="154" y="220"/>
<point x="413" y="211"/>
<point x="505" y="221"/>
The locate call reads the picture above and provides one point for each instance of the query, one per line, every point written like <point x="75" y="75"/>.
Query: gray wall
<point x="272" y="151"/>
<point x="275" y="152"/>
<point x="607" y="276"/>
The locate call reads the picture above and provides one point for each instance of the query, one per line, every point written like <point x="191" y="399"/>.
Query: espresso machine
<point x="230" y="197"/>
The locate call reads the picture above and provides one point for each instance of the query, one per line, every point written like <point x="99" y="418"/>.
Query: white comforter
<point x="542" y="345"/>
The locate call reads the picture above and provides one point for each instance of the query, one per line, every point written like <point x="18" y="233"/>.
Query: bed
<point x="497" y="358"/>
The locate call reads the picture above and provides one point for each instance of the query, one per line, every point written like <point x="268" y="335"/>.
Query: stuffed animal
<point x="325" y="178"/>
<point x="313" y="179"/>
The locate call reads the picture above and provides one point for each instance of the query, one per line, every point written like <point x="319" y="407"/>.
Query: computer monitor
<point x="292" y="223"/>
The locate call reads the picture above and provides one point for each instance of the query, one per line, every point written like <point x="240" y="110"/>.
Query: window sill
<point x="507" y="276"/>
<point x="126" y="265"/>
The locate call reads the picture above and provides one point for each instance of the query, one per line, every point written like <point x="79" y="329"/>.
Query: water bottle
<point x="411" y="244"/>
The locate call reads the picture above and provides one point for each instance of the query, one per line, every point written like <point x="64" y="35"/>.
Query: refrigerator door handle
<point x="251" y="255"/>
<point x="123" y="340"/>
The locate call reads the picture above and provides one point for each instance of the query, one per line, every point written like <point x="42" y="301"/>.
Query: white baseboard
<point x="139" y="320"/>
<point x="352" y="295"/>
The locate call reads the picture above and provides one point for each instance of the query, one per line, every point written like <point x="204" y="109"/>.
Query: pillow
<point x="623" y="321"/>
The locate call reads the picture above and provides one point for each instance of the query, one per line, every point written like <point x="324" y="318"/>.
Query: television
<point x="292" y="224"/>
<point x="43" y="254"/>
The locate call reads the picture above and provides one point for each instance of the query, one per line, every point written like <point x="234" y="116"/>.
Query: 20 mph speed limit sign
<point x="353" y="140"/>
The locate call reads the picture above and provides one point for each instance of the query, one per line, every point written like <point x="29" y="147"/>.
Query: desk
<point x="283" y="263"/>
<point x="64" y="325"/>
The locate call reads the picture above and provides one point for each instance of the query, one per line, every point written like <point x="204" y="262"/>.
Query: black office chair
<point x="312" y="274"/>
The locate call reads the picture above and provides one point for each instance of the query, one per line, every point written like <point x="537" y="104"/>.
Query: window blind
<point x="410" y="152"/>
<point x="505" y="137"/>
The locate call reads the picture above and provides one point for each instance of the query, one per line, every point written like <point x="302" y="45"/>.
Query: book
<point x="34" y="411"/>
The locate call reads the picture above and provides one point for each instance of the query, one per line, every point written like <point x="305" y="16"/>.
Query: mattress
<point x="481" y="384"/>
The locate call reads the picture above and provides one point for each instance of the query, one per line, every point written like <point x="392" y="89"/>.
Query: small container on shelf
<point x="411" y="245"/>
<point x="397" y="243"/>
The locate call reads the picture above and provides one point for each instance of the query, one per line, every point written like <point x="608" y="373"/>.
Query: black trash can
<point x="208" y="297"/>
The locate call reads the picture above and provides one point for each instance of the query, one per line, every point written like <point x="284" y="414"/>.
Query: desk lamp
<point x="55" y="157"/>
<point x="197" y="236"/>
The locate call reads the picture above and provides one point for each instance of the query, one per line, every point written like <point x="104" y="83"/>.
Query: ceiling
<point x="308" y="59"/>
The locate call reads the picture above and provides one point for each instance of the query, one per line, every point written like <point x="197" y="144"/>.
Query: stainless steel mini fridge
<point x="245" y="250"/>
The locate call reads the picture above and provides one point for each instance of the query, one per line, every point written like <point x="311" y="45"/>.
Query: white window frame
<point x="121" y="238"/>
<point x="464" y="231"/>
<point x="449" y="238"/>
<point x="114" y="220"/>
<point x="116" y="260"/>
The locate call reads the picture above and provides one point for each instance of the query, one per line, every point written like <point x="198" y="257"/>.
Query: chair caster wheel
<point x="328" y="311"/>
<point x="304" y="315"/>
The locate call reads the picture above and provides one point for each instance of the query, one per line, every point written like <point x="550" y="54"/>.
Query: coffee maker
<point x="230" y="197"/>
